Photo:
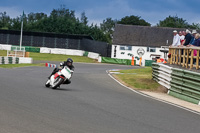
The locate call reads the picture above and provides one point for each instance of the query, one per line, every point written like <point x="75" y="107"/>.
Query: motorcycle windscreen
<point x="66" y="72"/>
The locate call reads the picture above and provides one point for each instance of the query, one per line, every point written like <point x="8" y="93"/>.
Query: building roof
<point x="142" y="35"/>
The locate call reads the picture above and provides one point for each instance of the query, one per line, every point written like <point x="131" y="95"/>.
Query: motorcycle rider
<point x="68" y="63"/>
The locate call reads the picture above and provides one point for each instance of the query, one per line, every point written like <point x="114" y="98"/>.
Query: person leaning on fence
<point x="194" y="32"/>
<point x="176" y="39"/>
<point x="188" y="38"/>
<point x="182" y="37"/>
<point x="196" y="44"/>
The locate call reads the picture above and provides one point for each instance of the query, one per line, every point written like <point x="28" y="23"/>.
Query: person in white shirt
<point x="176" y="39"/>
<point x="182" y="37"/>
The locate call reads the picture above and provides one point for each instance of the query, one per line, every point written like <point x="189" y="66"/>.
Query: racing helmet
<point x="69" y="62"/>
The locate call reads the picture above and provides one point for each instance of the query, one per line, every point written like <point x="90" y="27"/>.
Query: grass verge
<point x="47" y="57"/>
<point x="3" y="53"/>
<point x="56" y="57"/>
<point x="140" y="79"/>
<point x="19" y="65"/>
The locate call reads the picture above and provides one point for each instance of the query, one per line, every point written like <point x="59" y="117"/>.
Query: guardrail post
<point x="180" y="57"/>
<point x="177" y="55"/>
<point x="197" y="60"/>
<point x="187" y="58"/>
<point x="184" y="58"/>
<point x="191" y="59"/>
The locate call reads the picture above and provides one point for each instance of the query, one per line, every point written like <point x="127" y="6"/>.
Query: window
<point x="129" y="48"/>
<point x="151" y="49"/>
<point x="122" y="47"/>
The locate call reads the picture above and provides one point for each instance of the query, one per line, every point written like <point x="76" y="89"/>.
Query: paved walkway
<point x="168" y="98"/>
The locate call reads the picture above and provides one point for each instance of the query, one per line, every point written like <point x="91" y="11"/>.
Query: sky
<point x="151" y="11"/>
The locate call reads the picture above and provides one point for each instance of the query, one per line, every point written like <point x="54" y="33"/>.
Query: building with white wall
<point x="140" y="41"/>
<point x="126" y="52"/>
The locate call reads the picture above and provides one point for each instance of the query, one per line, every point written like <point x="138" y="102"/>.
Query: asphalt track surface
<point x="93" y="103"/>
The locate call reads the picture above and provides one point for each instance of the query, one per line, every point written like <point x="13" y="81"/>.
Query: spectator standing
<point x="197" y="40"/>
<point x="182" y="37"/>
<point x="196" y="44"/>
<point x="176" y="39"/>
<point x="194" y="32"/>
<point x="188" y="38"/>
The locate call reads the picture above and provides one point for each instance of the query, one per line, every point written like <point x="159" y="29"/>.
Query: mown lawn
<point x="140" y="79"/>
<point x="55" y="57"/>
<point x="3" y="53"/>
<point x="46" y="57"/>
<point x="19" y="65"/>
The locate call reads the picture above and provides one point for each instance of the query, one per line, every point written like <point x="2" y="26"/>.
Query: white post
<point x="21" y="31"/>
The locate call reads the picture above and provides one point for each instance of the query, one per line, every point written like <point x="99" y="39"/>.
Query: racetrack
<point x="93" y="103"/>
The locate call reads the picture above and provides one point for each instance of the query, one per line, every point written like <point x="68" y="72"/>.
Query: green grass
<point x="140" y="79"/>
<point x="47" y="57"/>
<point x="3" y="53"/>
<point x="19" y="65"/>
<point x="56" y="57"/>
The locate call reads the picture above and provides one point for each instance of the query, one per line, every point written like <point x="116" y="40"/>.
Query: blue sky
<point x="97" y="10"/>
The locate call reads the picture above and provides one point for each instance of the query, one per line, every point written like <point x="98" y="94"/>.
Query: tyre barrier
<point x="9" y="60"/>
<point x="15" y="60"/>
<point x="180" y="83"/>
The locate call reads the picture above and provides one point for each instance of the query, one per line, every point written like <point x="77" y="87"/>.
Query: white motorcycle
<point x="59" y="78"/>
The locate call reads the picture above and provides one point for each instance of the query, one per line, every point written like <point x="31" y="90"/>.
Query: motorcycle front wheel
<point x="58" y="81"/>
<point x="47" y="84"/>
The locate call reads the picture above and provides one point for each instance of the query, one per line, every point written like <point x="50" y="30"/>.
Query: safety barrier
<point x="162" y="74"/>
<point x="15" y="60"/>
<point x="45" y="50"/>
<point x="28" y="48"/>
<point x="67" y="51"/>
<point x="26" y="60"/>
<point x="52" y="51"/>
<point x="116" y="61"/>
<point x="180" y="83"/>
<point x="9" y="60"/>
<point x="51" y="65"/>
<point x="5" y="47"/>
<point x="93" y="55"/>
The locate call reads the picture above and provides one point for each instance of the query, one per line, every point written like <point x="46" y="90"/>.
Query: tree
<point x="4" y="20"/>
<point x="33" y="17"/>
<point x="60" y="20"/>
<point x="174" y="22"/>
<point x="97" y="33"/>
<point x="195" y="26"/>
<point x="84" y="18"/>
<point x="133" y="20"/>
<point x="108" y="27"/>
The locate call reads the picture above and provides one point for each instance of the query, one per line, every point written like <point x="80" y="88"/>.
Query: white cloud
<point x="118" y="9"/>
<point x="11" y="11"/>
<point x="115" y="9"/>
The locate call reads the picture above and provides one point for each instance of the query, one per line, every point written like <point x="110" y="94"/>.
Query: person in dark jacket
<point x="68" y="63"/>
<point x="188" y="38"/>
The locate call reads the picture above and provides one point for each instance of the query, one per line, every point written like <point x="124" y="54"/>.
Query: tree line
<point x="63" y="20"/>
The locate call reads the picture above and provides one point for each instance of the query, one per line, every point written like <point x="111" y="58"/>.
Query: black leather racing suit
<point x="57" y="69"/>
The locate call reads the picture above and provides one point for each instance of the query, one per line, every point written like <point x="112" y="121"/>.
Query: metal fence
<point x="53" y="40"/>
